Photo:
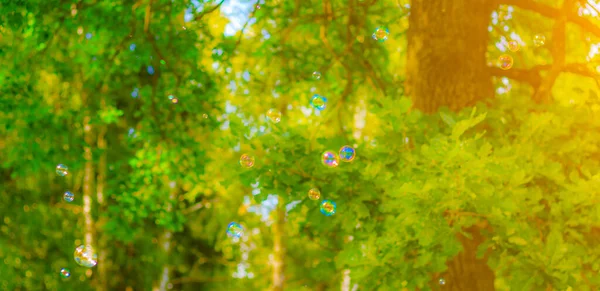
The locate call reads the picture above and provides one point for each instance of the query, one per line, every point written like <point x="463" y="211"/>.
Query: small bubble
<point x="513" y="46"/>
<point x="381" y="34"/>
<point x="316" y="75"/>
<point x="274" y="115"/>
<point x="173" y="99"/>
<point x="330" y="159"/>
<point x="85" y="256"/>
<point x="505" y="62"/>
<point x="247" y="161"/>
<point x="539" y="40"/>
<point x="318" y="102"/>
<point x="205" y="116"/>
<point x="347" y="154"/>
<point x="62" y="170"/>
<point x="235" y="230"/>
<point x="442" y="281"/>
<point x="314" y="194"/>
<point x="257" y="6"/>
<point x="88" y="35"/>
<point x="328" y="207"/>
<point x="65" y="273"/>
<point x="68" y="196"/>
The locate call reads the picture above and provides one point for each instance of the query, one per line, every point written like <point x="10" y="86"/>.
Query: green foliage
<point x="527" y="176"/>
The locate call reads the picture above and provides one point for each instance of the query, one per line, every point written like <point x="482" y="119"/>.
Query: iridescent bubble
<point x="234" y="229"/>
<point x="314" y="194"/>
<point x="505" y="62"/>
<point x="173" y="99"/>
<point x="316" y="75"/>
<point x="539" y="40"/>
<point x="318" y="102"/>
<point x="62" y="170"/>
<point x="442" y="281"/>
<point x="347" y="154"/>
<point x="513" y="45"/>
<point x="85" y="256"/>
<point x="68" y="196"/>
<point x="330" y="159"/>
<point x="328" y="207"/>
<point x="65" y="273"/>
<point x="274" y="115"/>
<point x="247" y="161"/>
<point x="381" y="34"/>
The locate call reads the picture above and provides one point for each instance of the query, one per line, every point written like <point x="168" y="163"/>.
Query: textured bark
<point x="447" y="42"/>
<point x="278" y="248"/>
<point x="446" y="66"/>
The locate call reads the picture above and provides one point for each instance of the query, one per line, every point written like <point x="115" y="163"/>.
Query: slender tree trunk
<point x="446" y="66"/>
<point x="100" y="186"/>
<point x="278" y="248"/>
<point x="447" y="44"/>
<point x="346" y="280"/>
<point x="88" y="179"/>
<point x="165" y="243"/>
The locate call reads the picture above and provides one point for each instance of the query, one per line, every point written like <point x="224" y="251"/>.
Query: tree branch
<point x="208" y="11"/>
<point x="552" y="12"/>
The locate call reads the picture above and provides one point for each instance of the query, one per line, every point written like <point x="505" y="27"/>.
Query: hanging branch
<point x="208" y="11"/>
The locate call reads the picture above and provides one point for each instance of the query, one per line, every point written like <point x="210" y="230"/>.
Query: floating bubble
<point x="234" y="229"/>
<point x="173" y="99"/>
<point x="62" y="170"/>
<point x="314" y="194"/>
<point x="513" y="45"/>
<point x="347" y="154"/>
<point x="65" y="273"/>
<point x="442" y="281"/>
<point x="68" y="196"/>
<point x="330" y="159"/>
<point x="316" y="75"/>
<point x="505" y="62"/>
<point x="381" y="34"/>
<point x="85" y="256"/>
<point x="539" y="40"/>
<point x="274" y="115"/>
<point x="318" y="102"/>
<point x="247" y="161"/>
<point x="328" y="207"/>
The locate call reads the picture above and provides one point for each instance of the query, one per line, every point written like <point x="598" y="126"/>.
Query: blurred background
<point x="199" y="145"/>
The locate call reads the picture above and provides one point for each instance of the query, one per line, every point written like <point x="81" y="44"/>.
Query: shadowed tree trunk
<point x="446" y="66"/>
<point x="447" y="42"/>
<point x="278" y="248"/>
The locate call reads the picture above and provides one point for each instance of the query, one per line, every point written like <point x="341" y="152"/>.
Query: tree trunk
<point x="447" y="44"/>
<point x="446" y="66"/>
<point x="278" y="247"/>
<point x="100" y="186"/>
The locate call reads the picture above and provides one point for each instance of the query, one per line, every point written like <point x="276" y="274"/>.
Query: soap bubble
<point x="316" y="75"/>
<point x="442" y="281"/>
<point x="347" y="153"/>
<point x="274" y="115"/>
<point x="505" y="62"/>
<point x="328" y="207"/>
<point x="513" y="45"/>
<point x="318" y="102"/>
<point x="62" y="170"/>
<point x="85" y="256"/>
<point x="314" y="194"/>
<point x="330" y="159"/>
<point x="68" y="196"/>
<point x="173" y="99"/>
<point x="381" y="34"/>
<point x="65" y="273"/>
<point x="539" y="40"/>
<point x="247" y="161"/>
<point x="234" y="229"/>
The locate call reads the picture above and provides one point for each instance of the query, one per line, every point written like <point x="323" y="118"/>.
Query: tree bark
<point x="100" y="186"/>
<point x="446" y="66"/>
<point x="447" y="43"/>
